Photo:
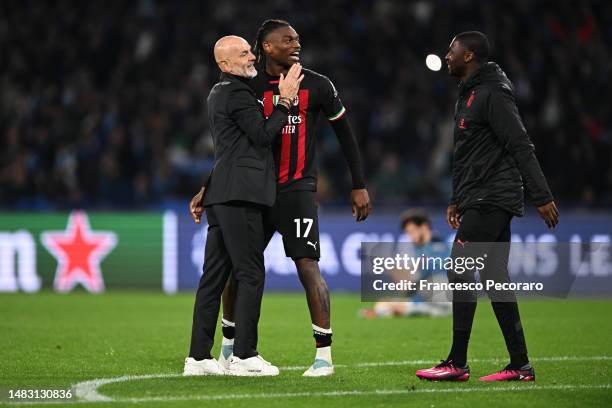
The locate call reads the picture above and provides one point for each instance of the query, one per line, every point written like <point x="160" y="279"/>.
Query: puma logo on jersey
<point x="262" y="101"/>
<point x="312" y="245"/>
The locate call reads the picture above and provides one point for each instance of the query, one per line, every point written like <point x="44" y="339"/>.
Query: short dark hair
<point x="476" y="42"/>
<point x="417" y="216"/>
<point x="266" y="28"/>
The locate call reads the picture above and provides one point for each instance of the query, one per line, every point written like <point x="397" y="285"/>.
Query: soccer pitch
<point x="127" y="349"/>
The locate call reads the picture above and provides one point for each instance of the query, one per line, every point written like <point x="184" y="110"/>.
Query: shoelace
<point x="446" y="363"/>
<point x="507" y="369"/>
<point x="264" y="361"/>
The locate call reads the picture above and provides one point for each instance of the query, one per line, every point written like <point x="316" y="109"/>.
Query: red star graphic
<point x="79" y="251"/>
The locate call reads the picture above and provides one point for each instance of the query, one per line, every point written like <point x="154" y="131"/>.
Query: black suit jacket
<point x="242" y="136"/>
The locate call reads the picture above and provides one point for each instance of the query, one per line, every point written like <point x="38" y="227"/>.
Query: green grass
<point x="55" y="341"/>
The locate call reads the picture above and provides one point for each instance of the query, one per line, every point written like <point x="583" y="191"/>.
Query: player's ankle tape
<point x="323" y="340"/>
<point x="225" y="322"/>
<point x="323" y="337"/>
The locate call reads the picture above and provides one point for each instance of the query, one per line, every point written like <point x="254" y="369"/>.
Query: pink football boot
<point x="445" y="371"/>
<point x="525" y="373"/>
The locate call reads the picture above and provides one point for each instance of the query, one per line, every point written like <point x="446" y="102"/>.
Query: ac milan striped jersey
<point x="295" y="150"/>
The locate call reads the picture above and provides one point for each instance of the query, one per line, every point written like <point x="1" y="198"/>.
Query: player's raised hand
<point x="549" y="214"/>
<point x="452" y="217"/>
<point x="196" y="208"/>
<point x="360" y="203"/>
<point x="289" y="85"/>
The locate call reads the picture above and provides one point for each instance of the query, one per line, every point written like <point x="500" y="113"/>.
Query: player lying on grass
<point x="416" y="225"/>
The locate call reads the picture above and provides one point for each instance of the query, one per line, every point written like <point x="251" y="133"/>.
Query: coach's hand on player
<point x="288" y="86"/>
<point x="549" y="214"/>
<point x="195" y="206"/>
<point x="360" y="202"/>
<point x="452" y="217"/>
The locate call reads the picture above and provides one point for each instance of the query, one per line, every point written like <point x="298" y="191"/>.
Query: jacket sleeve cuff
<point x="282" y="108"/>
<point x="543" y="201"/>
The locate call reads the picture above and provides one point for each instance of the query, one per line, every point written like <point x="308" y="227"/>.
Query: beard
<point x="456" y="71"/>
<point x="248" y="72"/>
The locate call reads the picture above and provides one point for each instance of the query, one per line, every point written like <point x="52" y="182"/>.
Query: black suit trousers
<point x="235" y="243"/>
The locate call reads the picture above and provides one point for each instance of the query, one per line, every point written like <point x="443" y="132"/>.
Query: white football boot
<point x="251" y="367"/>
<point x="320" y="368"/>
<point x="227" y="351"/>
<point x="202" y="367"/>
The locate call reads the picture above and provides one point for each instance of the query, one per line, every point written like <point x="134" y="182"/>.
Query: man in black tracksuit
<point x="493" y="161"/>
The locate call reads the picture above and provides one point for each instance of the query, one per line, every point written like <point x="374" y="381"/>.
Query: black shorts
<point x="295" y="217"/>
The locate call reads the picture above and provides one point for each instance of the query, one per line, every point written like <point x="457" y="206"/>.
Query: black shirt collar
<point x="231" y="77"/>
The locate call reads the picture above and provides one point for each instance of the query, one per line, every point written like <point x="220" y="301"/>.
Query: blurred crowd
<point x="102" y="104"/>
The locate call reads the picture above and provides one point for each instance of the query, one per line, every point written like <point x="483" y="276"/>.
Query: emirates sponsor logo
<point x="294" y="119"/>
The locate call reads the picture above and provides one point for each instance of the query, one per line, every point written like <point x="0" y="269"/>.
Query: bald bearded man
<point x="241" y="185"/>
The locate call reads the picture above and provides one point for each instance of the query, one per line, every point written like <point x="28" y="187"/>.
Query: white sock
<point x="324" y="353"/>
<point x="227" y="347"/>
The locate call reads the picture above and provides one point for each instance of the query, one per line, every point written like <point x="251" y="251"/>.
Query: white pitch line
<point x="514" y="388"/>
<point x="88" y="390"/>
<point x="473" y="360"/>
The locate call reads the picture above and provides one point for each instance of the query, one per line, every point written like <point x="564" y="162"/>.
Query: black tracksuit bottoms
<point x="485" y="229"/>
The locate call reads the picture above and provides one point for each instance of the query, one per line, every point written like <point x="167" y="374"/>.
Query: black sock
<point x="229" y="332"/>
<point x="322" y="339"/>
<point x="518" y="361"/>
<point x="463" y="316"/>
<point x="459" y="349"/>
<point x="509" y="320"/>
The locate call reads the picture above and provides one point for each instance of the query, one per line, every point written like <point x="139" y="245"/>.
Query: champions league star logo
<point x="79" y="251"/>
